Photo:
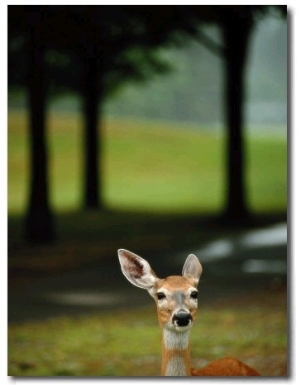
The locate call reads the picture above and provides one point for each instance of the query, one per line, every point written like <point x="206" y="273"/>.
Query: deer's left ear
<point x="192" y="268"/>
<point x="137" y="270"/>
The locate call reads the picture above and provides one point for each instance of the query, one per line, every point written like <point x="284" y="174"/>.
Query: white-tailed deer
<point x="176" y="302"/>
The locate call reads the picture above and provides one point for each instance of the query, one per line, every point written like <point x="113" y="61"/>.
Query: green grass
<point x="146" y="166"/>
<point x="123" y="343"/>
<point x="267" y="172"/>
<point x="155" y="168"/>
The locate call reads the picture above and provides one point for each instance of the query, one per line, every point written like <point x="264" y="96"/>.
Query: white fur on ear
<point x="136" y="269"/>
<point x="192" y="268"/>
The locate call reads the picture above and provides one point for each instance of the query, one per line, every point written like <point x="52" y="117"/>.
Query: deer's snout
<point x="182" y="318"/>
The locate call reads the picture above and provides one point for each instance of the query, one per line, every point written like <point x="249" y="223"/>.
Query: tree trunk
<point x="236" y="40"/>
<point x="92" y="180"/>
<point x="38" y="221"/>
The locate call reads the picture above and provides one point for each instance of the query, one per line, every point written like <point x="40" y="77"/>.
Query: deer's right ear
<point x="136" y="270"/>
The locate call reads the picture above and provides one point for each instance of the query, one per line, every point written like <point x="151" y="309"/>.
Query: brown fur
<point x="225" y="367"/>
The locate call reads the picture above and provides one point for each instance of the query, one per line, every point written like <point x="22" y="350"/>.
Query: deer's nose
<point x="182" y="318"/>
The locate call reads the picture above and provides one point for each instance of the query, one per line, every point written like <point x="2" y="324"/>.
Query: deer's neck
<point x="176" y="358"/>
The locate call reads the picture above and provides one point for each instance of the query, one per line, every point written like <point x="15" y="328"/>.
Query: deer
<point x="176" y="302"/>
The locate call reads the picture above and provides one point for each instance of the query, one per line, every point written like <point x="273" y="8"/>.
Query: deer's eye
<point x="194" y="294"/>
<point x="160" y="295"/>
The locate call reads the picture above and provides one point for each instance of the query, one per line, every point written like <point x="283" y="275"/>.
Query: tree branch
<point x="211" y="45"/>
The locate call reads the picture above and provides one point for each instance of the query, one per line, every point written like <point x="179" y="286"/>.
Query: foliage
<point x="126" y="39"/>
<point x="191" y="93"/>
<point x="124" y="44"/>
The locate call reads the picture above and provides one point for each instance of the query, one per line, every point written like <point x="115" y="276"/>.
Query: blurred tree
<point x="90" y="49"/>
<point x="115" y="49"/>
<point x="165" y="25"/>
<point x="236" y="30"/>
<point x="105" y="46"/>
<point x="236" y="23"/>
<point x="39" y="222"/>
<point x="120" y="44"/>
<point x="39" y="219"/>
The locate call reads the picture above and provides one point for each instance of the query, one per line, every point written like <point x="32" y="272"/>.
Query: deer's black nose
<point x="182" y="318"/>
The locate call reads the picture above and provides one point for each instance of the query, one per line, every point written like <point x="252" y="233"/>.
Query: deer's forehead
<point x="178" y="283"/>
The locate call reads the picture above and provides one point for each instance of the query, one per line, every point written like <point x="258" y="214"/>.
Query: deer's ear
<point x="192" y="268"/>
<point x="137" y="270"/>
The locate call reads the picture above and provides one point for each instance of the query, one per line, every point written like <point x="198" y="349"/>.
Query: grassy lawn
<point x="149" y="169"/>
<point x="146" y="166"/>
<point x="123" y="343"/>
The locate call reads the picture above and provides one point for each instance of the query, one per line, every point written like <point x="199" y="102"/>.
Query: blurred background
<point x="162" y="130"/>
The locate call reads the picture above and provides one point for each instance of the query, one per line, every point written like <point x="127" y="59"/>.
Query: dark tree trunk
<point x="236" y="40"/>
<point x="38" y="221"/>
<point x="92" y="150"/>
